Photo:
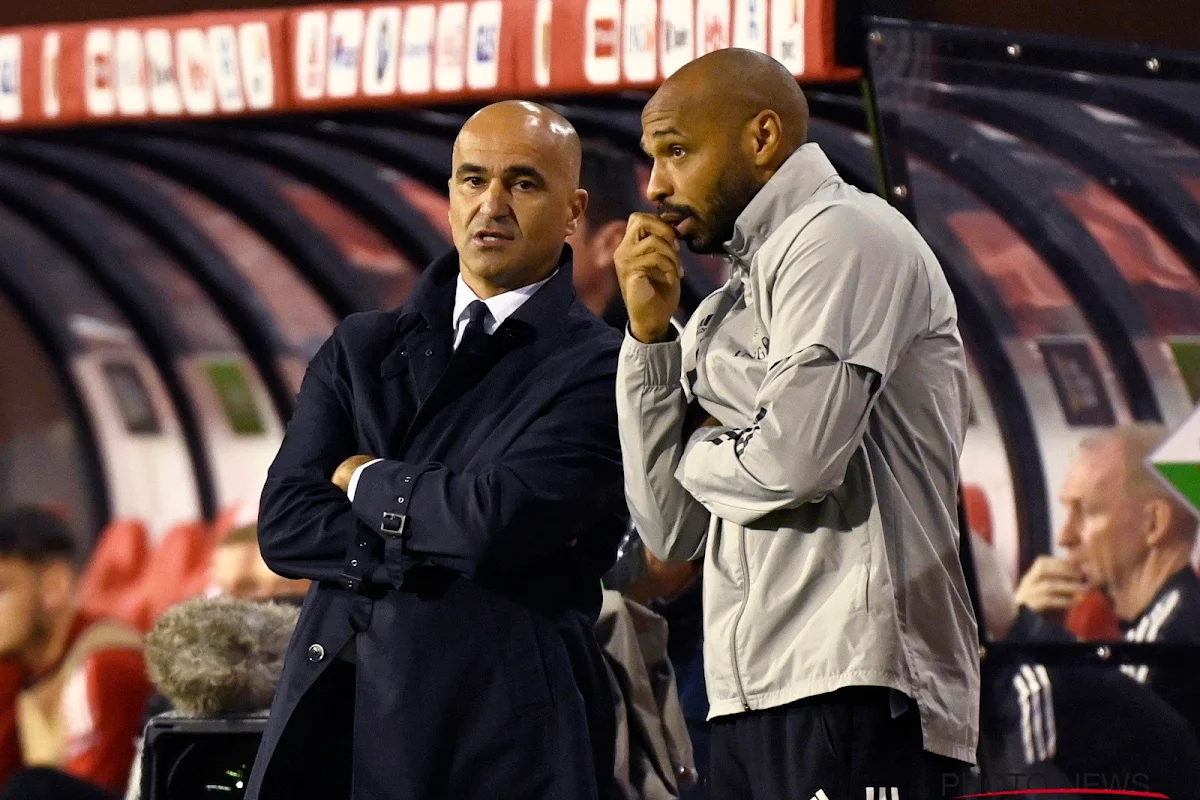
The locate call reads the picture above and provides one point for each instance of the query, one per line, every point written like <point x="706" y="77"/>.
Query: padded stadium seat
<point x="178" y="568"/>
<point x="979" y="511"/>
<point x="111" y="583"/>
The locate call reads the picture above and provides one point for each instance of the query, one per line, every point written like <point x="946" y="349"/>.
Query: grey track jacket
<point x="825" y="505"/>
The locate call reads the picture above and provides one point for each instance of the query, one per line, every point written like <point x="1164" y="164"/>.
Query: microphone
<point x="216" y="656"/>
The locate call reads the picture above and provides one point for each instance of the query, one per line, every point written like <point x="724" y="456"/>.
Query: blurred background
<point x="192" y="194"/>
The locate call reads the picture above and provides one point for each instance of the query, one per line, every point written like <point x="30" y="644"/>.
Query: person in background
<point x="238" y="570"/>
<point x="670" y="589"/>
<point x="673" y="590"/>
<point x="607" y="175"/>
<point x="1050" y="725"/>
<point x="1127" y="535"/>
<point x="77" y="707"/>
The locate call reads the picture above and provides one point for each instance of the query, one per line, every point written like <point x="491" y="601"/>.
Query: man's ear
<point x="1158" y="521"/>
<point x="766" y="137"/>
<point x="578" y="205"/>
<point x="607" y="238"/>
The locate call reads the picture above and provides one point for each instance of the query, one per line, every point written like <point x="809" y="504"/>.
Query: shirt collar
<point x="1184" y="581"/>
<point x="793" y="185"/>
<point x="500" y="307"/>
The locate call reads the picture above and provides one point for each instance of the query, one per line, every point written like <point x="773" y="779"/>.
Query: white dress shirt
<point x="500" y="308"/>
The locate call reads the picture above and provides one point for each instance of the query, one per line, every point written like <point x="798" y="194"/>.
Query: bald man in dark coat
<point x="451" y="482"/>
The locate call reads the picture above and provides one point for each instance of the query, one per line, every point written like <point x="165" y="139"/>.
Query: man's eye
<point x="676" y="151"/>
<point x="473" y="181"/>
<point x="525" y="186"/>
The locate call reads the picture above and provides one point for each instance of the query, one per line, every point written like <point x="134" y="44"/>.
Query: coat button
<point x="316" y="653"/>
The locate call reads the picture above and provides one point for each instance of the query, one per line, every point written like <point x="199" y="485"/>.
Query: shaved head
<point x="736" y="83"/>
<point x="718" y="129"/>
<point x="532" y="122"/>
<point x="514" y="195"/>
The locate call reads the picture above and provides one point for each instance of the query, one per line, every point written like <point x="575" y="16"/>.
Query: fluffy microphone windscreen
<point x="213" y="656"/>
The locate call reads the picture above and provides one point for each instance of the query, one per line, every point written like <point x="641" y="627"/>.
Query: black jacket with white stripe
<point x="1138" y="721"/>
<point x="1173" y="618"/>
<point x="1086" y="728"/>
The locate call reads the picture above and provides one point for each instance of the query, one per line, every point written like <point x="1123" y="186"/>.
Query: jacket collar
<point x="793" y="185"/>
<point x="432" y="299"/>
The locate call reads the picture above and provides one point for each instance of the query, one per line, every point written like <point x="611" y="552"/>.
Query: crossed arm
<point x="505" y="514"/>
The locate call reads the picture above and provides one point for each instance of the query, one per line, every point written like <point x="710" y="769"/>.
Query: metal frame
<point x="345" y="176"/>
<point x="1078" y="261"/>
<point x="993" y="47"/>
<point x="1059" y="129"/>
<point x="145" y="208"/>
<point x="22" y="190"/>
<point x="57" y="342"/>
<point x="231" y="181"/>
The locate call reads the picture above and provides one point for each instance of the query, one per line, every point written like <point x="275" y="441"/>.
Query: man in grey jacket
<point x="841" y="651"/>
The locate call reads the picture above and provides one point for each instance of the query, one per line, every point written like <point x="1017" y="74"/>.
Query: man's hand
<point x="664" y="579"/>
<point x="345" y="471"/>
<point x="1051" y="586"/>
<point x="649" y="270"/>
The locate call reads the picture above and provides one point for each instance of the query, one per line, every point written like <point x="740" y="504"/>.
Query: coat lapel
<point x="423" y="353"/>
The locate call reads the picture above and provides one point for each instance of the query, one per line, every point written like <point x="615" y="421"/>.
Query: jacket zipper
<point x="737" y="673"/>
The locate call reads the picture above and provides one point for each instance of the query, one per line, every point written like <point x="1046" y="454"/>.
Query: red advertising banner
<point x="386" y="54"/>
<point x="383" y="54"/>
<point x="197" y="65"/>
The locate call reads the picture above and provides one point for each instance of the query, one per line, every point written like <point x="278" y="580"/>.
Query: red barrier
<point x="196" y="65"/>
<point x="386" y="54"/>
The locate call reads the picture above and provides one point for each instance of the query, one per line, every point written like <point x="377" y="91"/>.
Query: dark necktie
<point x="474" y="340"/>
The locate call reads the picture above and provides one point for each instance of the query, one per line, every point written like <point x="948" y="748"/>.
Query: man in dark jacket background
<point x="446" y="647"/>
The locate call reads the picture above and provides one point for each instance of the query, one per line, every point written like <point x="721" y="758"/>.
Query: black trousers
<point x="845" y="745"/>
<point x="41" y="783"/>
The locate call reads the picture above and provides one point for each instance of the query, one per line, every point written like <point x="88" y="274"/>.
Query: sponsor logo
<point x="100" y="98"/>
<point x="258" y="73"/>
<point x="678" y="39"/>
<point x="787" y="34"/>
<point x="602" y="62"/>
<point x="541" y="42"/>
<point x="640" y="54"/>
<point x="195" y="71"/>
<point x="483" y="69"/>
<point x="750" y="24"/>
<point x="451" y="55"/>
<point x="10" y="78"/>
<point x="345" y="52"/>
<point x="311" y="50"/>
<point x="51" y="56"/>
<point x="382" y="52"/>
<point x="416" y="60"/>
<point x="713" y="22"/>
<point x="131" y="73"/>
<point x="227" y="78"/>
<point x="165" y="97"/>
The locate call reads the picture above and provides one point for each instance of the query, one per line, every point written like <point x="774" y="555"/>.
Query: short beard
<point x="734" y="192"/>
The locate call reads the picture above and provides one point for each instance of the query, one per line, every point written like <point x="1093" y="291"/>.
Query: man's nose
<point x="659" y="187"/>
<point x="1068" y="535"/>
<point x="495" y="200"/>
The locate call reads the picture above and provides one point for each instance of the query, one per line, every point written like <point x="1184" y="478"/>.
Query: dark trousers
<point x="40" y="783"/>
<point x="845" y="745"/>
